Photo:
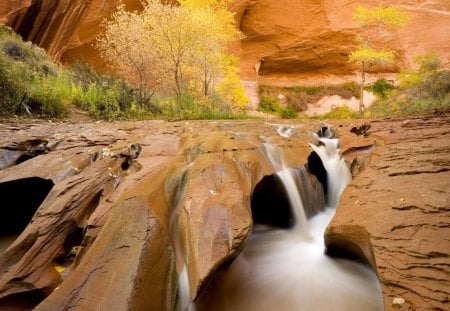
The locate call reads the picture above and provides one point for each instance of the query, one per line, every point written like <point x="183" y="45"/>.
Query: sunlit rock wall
<point x="304" y="40"/>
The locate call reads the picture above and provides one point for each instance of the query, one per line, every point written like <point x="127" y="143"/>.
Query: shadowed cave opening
<point x="270" y="203"/>
<point x="20" y="200"/>
<point x="22" y="301"/>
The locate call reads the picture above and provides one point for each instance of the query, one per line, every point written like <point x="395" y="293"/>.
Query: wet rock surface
<point x="117" y="233"/>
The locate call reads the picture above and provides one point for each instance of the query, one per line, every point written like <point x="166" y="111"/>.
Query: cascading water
<point x="288" y="181"/>
<point x="288" y="269"/>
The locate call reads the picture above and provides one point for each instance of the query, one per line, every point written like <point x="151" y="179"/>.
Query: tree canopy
<point x="173" y="49"/>
<point x="389" y="16"/>
<point x="372" y="56"/>
<point x="365" y="55"/>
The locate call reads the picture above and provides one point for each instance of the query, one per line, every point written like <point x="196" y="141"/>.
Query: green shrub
<point x="288" y="113"/>
<point x="429" y="62"/>
<point x="50" y="95"/>
<point x="429" y="94"/>
<point x="435" y="85"/>
<point x="269" y="104"/>
<point x="29" y="82"/>
<point x="381" y="88"/>
<point x="188" y="108"/>
<point x="409" y="78"/>
<point x="100" y="102"/>
<point x="341" y="112"/>
<point x="352" y="87"/>
<point x="297" y="89"/>
<point x="11" y="90"/>
<point x="13" y="49"/>
<point x="310" y="90"/>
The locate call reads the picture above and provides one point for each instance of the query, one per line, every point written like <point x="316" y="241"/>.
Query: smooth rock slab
<point x="130" y="266"/>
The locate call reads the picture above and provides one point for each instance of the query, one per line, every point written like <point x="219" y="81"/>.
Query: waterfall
<point x="282" y="270"/>
<point x="287" y="178"/>
<point x="338" y="172"/>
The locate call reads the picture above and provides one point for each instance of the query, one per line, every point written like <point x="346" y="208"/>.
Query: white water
<point x="283" y="270"/>
<point x="337" y="171"/>
<point x="288" y="180"/>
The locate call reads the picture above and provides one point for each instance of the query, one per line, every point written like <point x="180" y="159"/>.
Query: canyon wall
<point x="304" y="41"/>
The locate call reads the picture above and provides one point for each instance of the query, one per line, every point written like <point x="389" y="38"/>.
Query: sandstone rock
<point x="214" y="217"/>
<point x="66" y="29"/>
<point x="27" y="268"/>
<point x="399" y="205"/>
<point x="300" y="42"/>
<point x="192" y="191"/>
<point x="307" y="42"/>
<point x="130" y="266"/>
<point x="76" y="210"/>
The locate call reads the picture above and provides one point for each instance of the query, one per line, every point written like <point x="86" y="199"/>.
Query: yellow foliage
<point x="368" y="55"/>
<point x="390" y="16"/>
<point x="230" y="88"/>
<point x="171" y="48"/>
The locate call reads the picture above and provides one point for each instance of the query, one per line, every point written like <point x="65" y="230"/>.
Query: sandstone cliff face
<point x="310" y="40"/>
<point x="66" y="29"/>
<point x="295" y="42"/>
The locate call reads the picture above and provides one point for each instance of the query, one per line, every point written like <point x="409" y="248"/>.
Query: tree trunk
<point x="361" y="96"/>
<point x="206" y="84"/>
<point x="177" y="84"/>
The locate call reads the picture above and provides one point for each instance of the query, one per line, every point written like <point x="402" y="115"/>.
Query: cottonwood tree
<point x="124" y="45"/>
<point x="174" y="47"/>
<point x="218" y="30"/>
<point x="191" y="39"/>
<point x="373" y="21"/>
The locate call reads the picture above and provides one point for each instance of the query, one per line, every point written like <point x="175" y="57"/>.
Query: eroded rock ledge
<point x="396" y="212"/>
<point x="185" y="202"/>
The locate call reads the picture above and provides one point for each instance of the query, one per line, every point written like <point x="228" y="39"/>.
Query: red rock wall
<point x="295" y="39"/>
<point x="65" y="28"/>
<point x="308" y="38"/>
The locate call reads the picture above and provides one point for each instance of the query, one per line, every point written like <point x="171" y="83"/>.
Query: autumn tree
<point x="183" y="46"/>
<point x="230" y="87"/>
<point x="373" y="21"/>
<point x="218" y="30"/>
<point x="124" y="45"/>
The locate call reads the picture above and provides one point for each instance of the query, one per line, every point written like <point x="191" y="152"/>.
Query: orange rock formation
<point x="289" y="40"/>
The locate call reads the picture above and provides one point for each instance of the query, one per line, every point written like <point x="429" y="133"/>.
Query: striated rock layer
<point x="116" y="231"/>
<point x="302" y="42"/>
<point x="396" y="213"/>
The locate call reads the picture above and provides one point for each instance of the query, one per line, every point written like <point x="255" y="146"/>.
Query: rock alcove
<point x="20" y="200"/>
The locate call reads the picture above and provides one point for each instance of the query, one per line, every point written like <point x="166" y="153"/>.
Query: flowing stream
<point x="288" y="269"/>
